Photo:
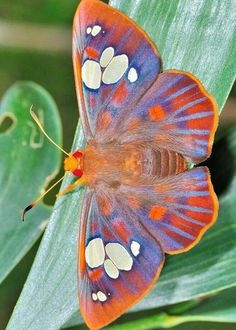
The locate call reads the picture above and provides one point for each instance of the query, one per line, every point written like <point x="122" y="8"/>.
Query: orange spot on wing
<point x="120" y="93"/>
<point x="95" y="274"/>
<point x="157" y="113"/>
<point x="90" y="52"/>
<point x="157" y="212"/>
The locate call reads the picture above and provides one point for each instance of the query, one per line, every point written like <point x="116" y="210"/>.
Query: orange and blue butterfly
<point x="142" y="128"/>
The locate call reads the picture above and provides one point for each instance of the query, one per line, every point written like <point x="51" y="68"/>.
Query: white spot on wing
<point x="95" y="253"/>
<point x="115" y="69"/>
<point x="89" y="30"/>
<point x="91" y="74"/>
<point x="111" y="269"/>
<point x="96" y="29"/>
<point x="106" y="56"/>
<point x="119" y="256"/>
<point x="135" y="248"/>
<point x="101" y="296"/>
<point x="132" y="75"/>
<point x="94" y="296"/>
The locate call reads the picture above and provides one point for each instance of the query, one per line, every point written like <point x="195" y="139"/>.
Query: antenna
<point x="29" y="207"/>
<point x="36" y="119"/>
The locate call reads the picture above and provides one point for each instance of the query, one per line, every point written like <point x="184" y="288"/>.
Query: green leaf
<point x="27" y="164"/>
<point x="220" y="308"/>
<point x="190" y="36"/>
<point x="52" y="279"/>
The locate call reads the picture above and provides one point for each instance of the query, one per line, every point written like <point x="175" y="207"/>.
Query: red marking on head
<point x="95" y="274"/>
<point x="78" y="172"/>
<point x="90" y="52"/>
<point x="157" y="113"/>
<point x="78" y="154"/>
<point x="120" y="93"/>
<point x="157" y="212"/>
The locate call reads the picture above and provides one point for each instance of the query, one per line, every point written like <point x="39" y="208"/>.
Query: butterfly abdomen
<point x="130" y="163"/>
<point x="162" y="163"/>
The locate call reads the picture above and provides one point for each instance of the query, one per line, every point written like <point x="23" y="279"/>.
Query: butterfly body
<point x="131" y="164"/>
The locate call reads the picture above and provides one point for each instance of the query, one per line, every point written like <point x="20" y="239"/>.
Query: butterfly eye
<point x="78" y="154"/>
<point x="78" y="172"/>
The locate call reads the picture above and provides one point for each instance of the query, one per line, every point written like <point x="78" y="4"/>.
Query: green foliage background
<point x="197" y="37"/>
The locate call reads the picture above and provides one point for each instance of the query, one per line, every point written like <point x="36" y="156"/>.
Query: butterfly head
<point x="73" y="163"/>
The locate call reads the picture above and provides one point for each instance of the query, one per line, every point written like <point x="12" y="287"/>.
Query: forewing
<point x="123" y="97"/>
<point x="177" y="113"/>
<point x="115" y="63"/>
<point x="119" y="260"/>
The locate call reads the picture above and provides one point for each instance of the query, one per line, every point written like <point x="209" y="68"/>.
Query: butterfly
<point x="142" y="128"/>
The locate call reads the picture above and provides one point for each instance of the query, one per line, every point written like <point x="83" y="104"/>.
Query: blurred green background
<point x="29" y="31"/>
<point x="35" y="44"/>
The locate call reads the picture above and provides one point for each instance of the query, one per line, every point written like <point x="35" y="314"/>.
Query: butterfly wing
<point x="177" y="210"/>
<point x="118" y="260"/>
<point x="123" y="97"/>
<point x="115" y="63"/>
<point x="124" y="232"/>
<point x="177" y="113"/>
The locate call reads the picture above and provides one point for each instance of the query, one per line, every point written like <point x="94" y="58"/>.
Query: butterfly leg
<point x="78" y="182"/>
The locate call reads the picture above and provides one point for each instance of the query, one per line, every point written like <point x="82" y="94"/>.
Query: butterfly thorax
<point x="129" y="163"/>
